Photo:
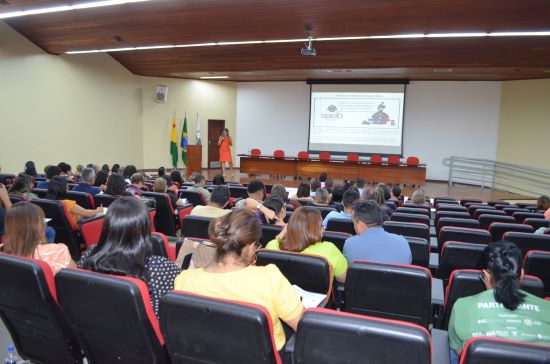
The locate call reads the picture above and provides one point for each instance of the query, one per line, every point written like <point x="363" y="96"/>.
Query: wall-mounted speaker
<point x="161" y="93"/>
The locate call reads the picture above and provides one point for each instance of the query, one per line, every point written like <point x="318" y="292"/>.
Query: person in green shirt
<point x="503" y="310"/>
<point x="200" y="182"/>
<point x="303" y="234"/>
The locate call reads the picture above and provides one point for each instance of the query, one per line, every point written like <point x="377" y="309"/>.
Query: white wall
<point x="441" y="119"/>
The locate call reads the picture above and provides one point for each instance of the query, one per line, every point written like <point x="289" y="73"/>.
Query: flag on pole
<point x="174" y="143"/>
<point x="184" y="141"/>
<point x="198" y="132"/>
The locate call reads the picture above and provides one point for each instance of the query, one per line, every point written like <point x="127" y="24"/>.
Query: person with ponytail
<point x="503" y="310"/>
<point x="232" y="275"/>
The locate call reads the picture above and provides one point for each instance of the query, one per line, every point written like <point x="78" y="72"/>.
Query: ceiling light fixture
<point x="321" y="39"/>
<point x="57" y="9"/>
<point x="213" y="77"/>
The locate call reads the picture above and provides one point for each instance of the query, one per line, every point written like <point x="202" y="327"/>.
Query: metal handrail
<point x="499" y="175"/>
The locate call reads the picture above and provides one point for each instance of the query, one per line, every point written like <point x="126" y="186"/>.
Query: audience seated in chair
<point x="349" y="198"/>
<point x="176" y="177"/>
<point x="5" y="203"/>
<point x="329" y="185"/>
<point x="199" y="183"/>
<point x="125" y="249"/>
<point x="138" y="181"/>
<point x="303" y="192"/>
<point x="419" y="199"/>
<point x="313" y="186"/>
<point x="66" y="170"/>
<point x="51" y="172"/>
<point x="128" y="172"/>
<point x="219" y="199"/>
<point x="57" y="190"/>
<point x="30" y="169"/>
<point x="322" y="197"/>
<point x="275" y="204"/>
<point x="233" y="276"/>
<point x="372" y="243"/>
<point x="218" y="180"/>
<point x="22" y="187"/>
<point x="255" y="190"/>
<point x="379" y="197"/>
<point x="87" y="185"/>
<point x="303" y="234"/>
<point x="323" y="179"/>
<point x="503" y="310"/>
<point x="26" y="237"/>
<point x="360" y="184"/>
<point x="395" y="193"/>
<point x="543" y="203"/>
<point x="280" y="191"/>
<point x="101" y="180"/>
<point x="116" y="186"/>
<point x="160" y="186"/>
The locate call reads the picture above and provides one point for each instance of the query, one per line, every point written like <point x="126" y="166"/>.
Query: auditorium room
<point x="259" y="181"/>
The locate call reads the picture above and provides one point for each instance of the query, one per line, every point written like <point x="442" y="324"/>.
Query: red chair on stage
<point x="255" y="152"/>
<point x="394" y="160"/>
<point x="324" y="156"/>
<point x="303" y="156"/>
<point x="353" y="157"/>
<point x="413" y="161"/>
<point x="376" y="159"/>
<point x="279" y="154"/>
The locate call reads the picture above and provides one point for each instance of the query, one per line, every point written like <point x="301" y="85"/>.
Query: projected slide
<point x="357" y="122"/>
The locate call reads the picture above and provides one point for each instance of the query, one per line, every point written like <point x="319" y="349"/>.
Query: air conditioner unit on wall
<point x="161" y="93"/>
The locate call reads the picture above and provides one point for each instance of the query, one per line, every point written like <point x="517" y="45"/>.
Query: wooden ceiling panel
<point x="197" y="21"/>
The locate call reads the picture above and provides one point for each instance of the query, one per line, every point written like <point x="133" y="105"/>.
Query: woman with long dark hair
<point x="22" y="187"/>
<point x="503" y="310"/>
<point x="57" y="190"/>
<point x="124" y="248"/>
<point x="30" y="169"/>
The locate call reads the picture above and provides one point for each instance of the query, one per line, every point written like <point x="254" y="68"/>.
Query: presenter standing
<point x="225" y="142"/>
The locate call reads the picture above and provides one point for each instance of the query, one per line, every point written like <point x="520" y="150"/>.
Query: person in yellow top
<point x="303" y="234"/>
<point x="57" y="190"/>
<point x="233" y="276"/>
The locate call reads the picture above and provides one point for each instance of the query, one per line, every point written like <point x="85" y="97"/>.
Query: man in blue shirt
<point x="372" y="243"/>
<point x="350" y="196"/>
<point x="87" y="184"/>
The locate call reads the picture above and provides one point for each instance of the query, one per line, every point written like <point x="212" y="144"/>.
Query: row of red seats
<point x="392" y="160"/>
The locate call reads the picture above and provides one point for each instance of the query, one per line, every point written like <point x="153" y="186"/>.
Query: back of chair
<point x="269" y="232"/>
<point x="164" y="217"/>
<point x="394" y="160"/>
<point x="376" y="159"/>
<point x="341" y="225"/>
<point x="537" y="223"/>
<point x="537" y="263"/>
<point x="324" y="210"/>
<point x="413" y="161"/>
<point x="451" y="233"/>
<point x="324" y="156"/>
<point x="337" y="238"/>
<point x="527" y="241"/>
<point x="28" y="307"/>
<point x="445" y="200"/>
<point x="420" y="250"/>
<point x="473" y="208"/>
<point x="83" y="199"/>
<point x="195" y="226"/>
<point x="310" y="272"/>
<point x="470" y="200"/>
<point x="303" y="155"/>
<point x="397" y="292"/>
<point x="327" y="336"/>
<point x="498" y="229"/>
<point x="90" y="229"/>
<point x="479" y="212"/>
<point x="486" y="350"/>
<point x="199" y="329"/>
<point x="408" y="229"/>
<point x="458" y="255"/>
<point x="451" y="207"/>
<point x="64" y="232"/>
<point x="512" y="210"/>
<point x="104" y="200"/>
<point x="194" y="197"/>
<point x="279" y="154"/>
<point x="455" y="214"/>
<point x="238" y="192"/>
<point x="112" y="315"/>
<point x="451" y="221"/>
<point x="255" y="152"/>
<point x="521" y="216"/>
<point x="486" y="220"/>
<point x="405" y="217"/>
<point x="353" y="157"/>
<point x="533" y="285"/>
<point x="414" y="210"/>
<point x="159" y="244"/>
<point x="40" y="192"/>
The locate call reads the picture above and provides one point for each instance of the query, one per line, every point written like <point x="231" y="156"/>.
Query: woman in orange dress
<point x="225" y="142"/>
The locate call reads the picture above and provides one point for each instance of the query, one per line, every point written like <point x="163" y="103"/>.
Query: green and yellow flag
<point x="184" y="141"/>
<point x="174" y="144"/>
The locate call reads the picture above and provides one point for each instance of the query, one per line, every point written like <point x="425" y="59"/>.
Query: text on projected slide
<point x="356" y="118"/>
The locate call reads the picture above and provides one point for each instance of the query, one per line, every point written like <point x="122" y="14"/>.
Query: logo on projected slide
<point x="333" y="113"/>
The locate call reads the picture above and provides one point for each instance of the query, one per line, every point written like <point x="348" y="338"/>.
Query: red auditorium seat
<point x="255" y="152"/>
<point x="279" y="154"/>
<point x="413" y="161"/>
<point x="324" y="156"/>
<point x="303" y="156"/>
<point x="502" y="351"/>
<point x="353" y="157"/>
<point x="376" y="159"/>
<point x="394" y="160"/>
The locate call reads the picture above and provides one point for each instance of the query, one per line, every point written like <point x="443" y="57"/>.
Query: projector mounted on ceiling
<point x="308" y="50"/>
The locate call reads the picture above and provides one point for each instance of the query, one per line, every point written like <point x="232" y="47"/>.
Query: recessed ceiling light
<point x="56" y="9"/>
<point x="213" y="77"/>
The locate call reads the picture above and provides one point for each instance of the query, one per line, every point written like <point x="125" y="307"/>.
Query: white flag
<point x="198" y="132"/>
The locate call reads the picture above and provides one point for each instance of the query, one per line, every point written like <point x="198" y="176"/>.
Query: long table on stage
<point x="312" y="167"/>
